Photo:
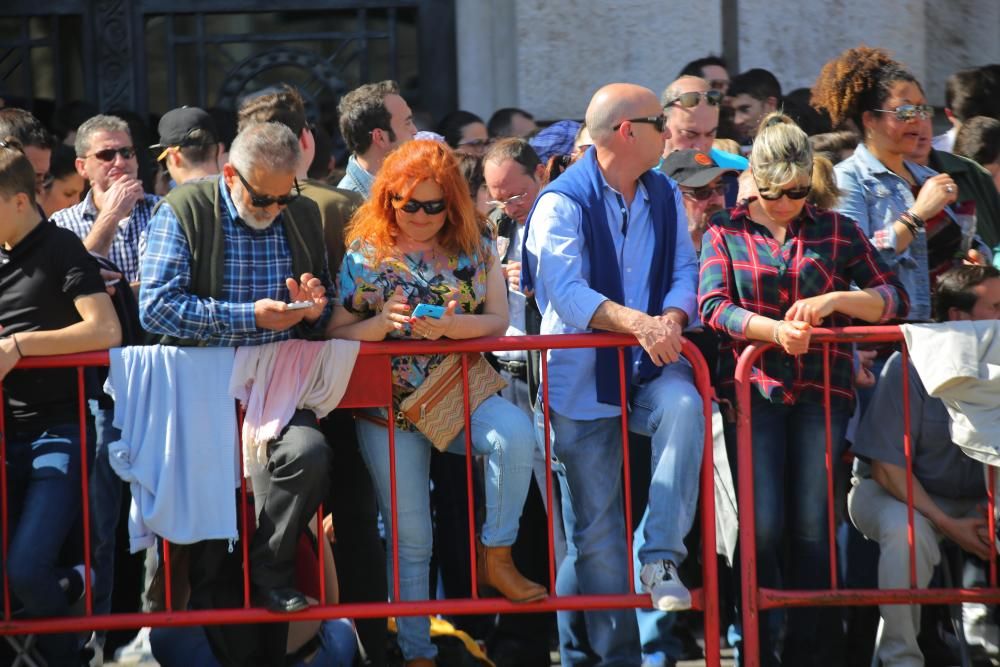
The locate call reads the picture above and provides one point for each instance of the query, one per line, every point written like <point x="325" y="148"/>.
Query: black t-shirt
<point x="40" y="278"/>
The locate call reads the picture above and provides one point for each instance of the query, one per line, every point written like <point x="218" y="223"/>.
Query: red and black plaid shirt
<point x="745" y="271"/>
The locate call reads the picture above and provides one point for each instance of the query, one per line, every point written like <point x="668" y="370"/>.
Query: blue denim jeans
<point x="187" y="646"/>
<point x="105" y="500"/>
<point x="668" y="410"/>
<point x="43" y="475"/>
<point x="500" y="432"/>
<point x="789" y="470"/>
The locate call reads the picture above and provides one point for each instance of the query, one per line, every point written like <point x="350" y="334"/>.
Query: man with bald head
<point x="607" y="249"/>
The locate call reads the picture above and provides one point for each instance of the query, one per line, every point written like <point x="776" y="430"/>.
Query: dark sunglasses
<point x="774" y="195"/>
<point x="659" y="122"/>
<point x="692" y="99"/>
<point x="263" y="201"/>
<point x="704" y="192"/>
<point x="432" y="207"/>
<point x="906" y="112"/>
<point x="108" y="154"/>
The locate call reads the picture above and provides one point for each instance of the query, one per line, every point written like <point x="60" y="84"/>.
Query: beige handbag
<point x="436" y="407"/>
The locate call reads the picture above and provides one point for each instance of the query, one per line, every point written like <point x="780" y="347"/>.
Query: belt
<point x="516" y="368"/>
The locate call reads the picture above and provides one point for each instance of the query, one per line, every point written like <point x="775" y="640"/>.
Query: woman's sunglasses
<point x="692" y="99"/>
<point x="793" y="193"/>
<point x="906" y="112"/>
<point x="432" y="207"/>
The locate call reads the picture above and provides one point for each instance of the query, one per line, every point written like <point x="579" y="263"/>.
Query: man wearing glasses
<point x="607" y="249"/>
<point x="35" y="140"/>
<point x="225" y="256"/>
<point x="113" y="217"/>
<point x="702" y="189"/>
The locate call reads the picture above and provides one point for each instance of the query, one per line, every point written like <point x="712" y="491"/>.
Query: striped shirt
<point x="125" y="248"/>
<point x="255" y="267"/>
<point x="745" y="271"/>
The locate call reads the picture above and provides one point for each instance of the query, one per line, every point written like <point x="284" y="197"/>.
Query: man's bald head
<point x="615" y="103"/>
<point x="690" y="127"/>
<point x="684" y="84"/>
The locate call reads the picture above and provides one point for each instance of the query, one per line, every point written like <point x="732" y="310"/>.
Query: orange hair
<point x="405" y="168"/>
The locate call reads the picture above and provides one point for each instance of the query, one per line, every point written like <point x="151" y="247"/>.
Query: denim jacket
<point x="356" y="179"/>
<point x="874" y="197"/>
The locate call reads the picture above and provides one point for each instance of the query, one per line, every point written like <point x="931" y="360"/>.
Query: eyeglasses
<point x="432" y="207"/>
<point x="264" y="201"/>
<point x="907" y="112"/>
<point x="659" y="122"/>
<point x="688" y="100"/>
<point x="504" y="203"/>
<point x="108" y="154"/>
<point x="704" y="192"/>
<point x="476" y="143"/>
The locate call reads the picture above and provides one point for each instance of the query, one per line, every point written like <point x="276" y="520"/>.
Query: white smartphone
<point x="299" y="305"/>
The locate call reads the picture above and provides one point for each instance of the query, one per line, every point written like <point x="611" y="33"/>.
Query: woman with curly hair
<point x="419" y="240"/>
<point x="903" y="208"/>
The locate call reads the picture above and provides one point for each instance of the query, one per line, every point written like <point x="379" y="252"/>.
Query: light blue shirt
<point x="561" y="263"/>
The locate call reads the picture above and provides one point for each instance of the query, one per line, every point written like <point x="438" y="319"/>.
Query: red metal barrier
<point x="756" y="599"/>
<point x="367" y="390"/>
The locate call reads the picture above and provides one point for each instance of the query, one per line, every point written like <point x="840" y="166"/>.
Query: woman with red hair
<point x="418" y="240"/>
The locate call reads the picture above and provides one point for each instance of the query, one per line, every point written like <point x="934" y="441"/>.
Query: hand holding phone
<point x="299" y="305"/>
<point x="427" y="310"/>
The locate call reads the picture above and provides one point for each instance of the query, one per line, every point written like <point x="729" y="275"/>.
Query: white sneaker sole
<point x="671" y="602"/>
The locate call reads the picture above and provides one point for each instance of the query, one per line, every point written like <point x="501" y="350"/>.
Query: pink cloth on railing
<point x="274" y="380"/>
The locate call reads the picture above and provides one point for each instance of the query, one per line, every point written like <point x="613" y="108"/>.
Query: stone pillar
<point x="487" y="55"/>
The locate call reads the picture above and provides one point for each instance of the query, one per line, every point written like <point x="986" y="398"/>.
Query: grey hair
<point x="672" y="91"/>
<point x="781" y="152"/>
<point x="91" y="126"/>
<point x="270" y="146"/>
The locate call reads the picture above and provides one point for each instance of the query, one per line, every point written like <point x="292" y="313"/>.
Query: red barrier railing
<point x="756" y="599"/>
<point x="365" y="390"/>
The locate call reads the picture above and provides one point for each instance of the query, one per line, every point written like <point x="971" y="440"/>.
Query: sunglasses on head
<point x="906" y="112"/>
<point x="108" y="154"/>
<point x="432" y="207"/>
<point x="659" y="122"/>
<point x="692" y="99"/>
<point x="704" y="192"/>
<point x="263" y="201"/>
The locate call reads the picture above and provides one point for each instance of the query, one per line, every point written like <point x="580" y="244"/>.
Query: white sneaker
<point x="665" y="588"/>
<point x="136" y="652"/>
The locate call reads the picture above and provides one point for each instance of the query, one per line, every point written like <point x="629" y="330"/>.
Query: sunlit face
<point x="102" y="173"/>
<point x="12" y="210"/>
<point x="649" y="142"/>
<point x="265" y="183"/>
<point x="784" y="209"/>
<point x="401" y="119"/>
<point x="420" y="227"/>
<point x="717" y="77"/>
<point x="747" y="113"/>
<point x="695" y="127"/>
<point x="482" y="197"/>
<point x="63" y="193"/>
<point x="885" y="132"/>
<point x="508" y="179"/>
<point x="700" y="211"/>
<point x="987" y="306"/>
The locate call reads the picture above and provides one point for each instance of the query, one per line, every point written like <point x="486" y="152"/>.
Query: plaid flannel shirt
<point x="745" y="271"/>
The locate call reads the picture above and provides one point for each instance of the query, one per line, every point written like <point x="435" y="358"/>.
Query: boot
<point x="495" y="567"/>
<point x="420" y="662"/>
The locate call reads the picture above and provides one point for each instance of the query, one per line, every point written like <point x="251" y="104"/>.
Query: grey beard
<point x="251" y="219"/>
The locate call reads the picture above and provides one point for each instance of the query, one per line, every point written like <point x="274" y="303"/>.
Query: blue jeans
<point x="502" y="433"/>
<point x="789" y="470"/>
<point x="43" y="475"/>
<point x="181" y="646"/>
<point x="105" y="502"/>
<point x="668" y="410"/>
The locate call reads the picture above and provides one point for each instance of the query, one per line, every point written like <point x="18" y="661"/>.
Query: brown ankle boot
<point x="495" y="567"/>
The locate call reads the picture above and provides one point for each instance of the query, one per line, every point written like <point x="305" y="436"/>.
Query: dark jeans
<point x="789" y="449"/>
<point x="43" y="477"/>
<point x="106" y="489"/>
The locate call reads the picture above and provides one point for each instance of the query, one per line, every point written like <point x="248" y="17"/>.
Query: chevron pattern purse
<point x="436" y="406"/>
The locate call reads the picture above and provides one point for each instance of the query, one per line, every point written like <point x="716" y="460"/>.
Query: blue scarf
<point x="583" y="183"/>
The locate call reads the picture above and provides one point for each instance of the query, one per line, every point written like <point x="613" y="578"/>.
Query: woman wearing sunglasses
<point x="902" y="207"/>
<point x="771" y="269"/>
<point x="418" y="240"/>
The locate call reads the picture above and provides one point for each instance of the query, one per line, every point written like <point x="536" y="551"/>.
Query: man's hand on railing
<point x="970" y="533"/>
<point x="660" y="337"/>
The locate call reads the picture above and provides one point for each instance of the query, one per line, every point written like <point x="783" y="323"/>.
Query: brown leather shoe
<point x="420" y="662"/>
<point x="495" y="567"/>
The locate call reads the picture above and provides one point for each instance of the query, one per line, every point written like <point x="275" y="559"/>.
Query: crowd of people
<point x="720" y="211"/>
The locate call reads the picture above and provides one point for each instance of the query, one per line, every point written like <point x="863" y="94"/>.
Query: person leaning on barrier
<point x="949" y="491"/>
<point x="606" y="248"/>
<point x="52" y="301"/>
<point x="224" y="258"/>
<point x="771" y="269"/>
<point x="418" y="240"/>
